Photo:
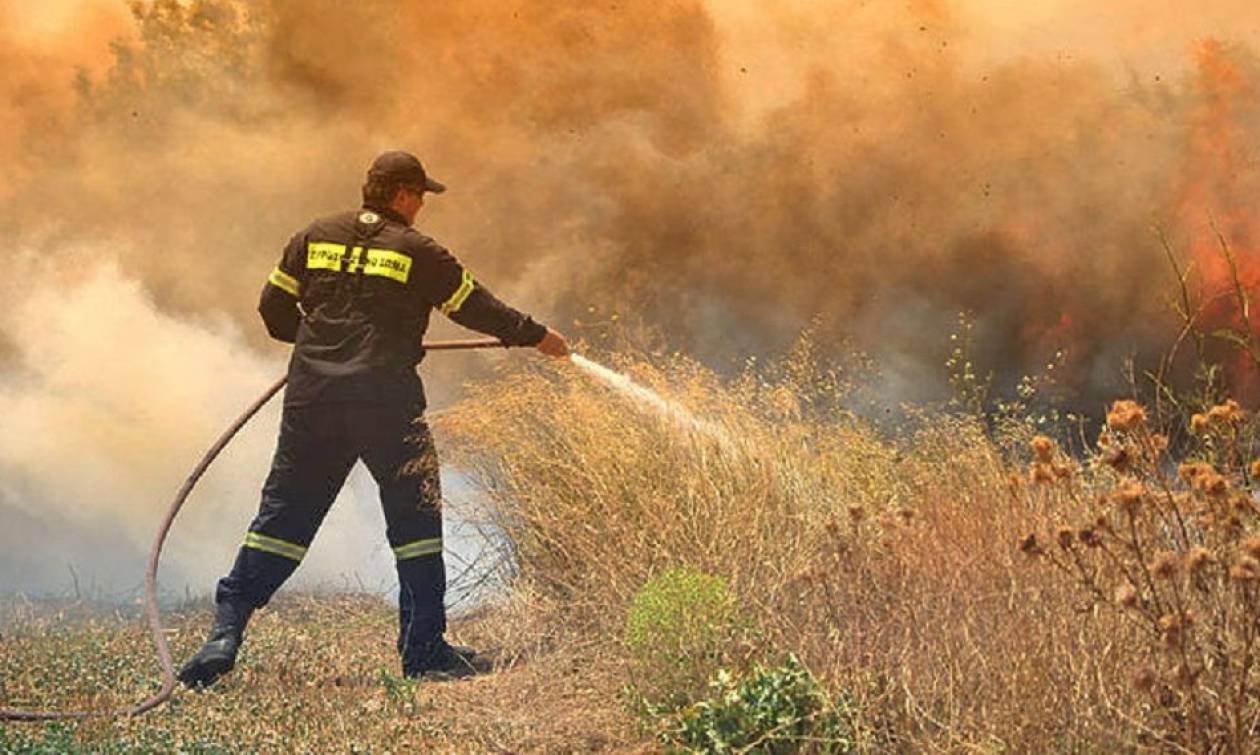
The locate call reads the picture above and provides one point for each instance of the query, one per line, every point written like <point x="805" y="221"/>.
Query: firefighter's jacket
<point x="353" y="293"/>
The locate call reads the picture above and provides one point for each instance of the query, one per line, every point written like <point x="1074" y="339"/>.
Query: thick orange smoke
<point x="890" y="167"/>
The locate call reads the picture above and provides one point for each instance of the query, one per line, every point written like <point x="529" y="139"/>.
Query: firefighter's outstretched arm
<point x="278" y="304"/>
<point x="459" y="296"/>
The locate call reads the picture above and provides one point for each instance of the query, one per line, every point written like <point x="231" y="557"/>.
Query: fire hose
<point x="155" y="552"/>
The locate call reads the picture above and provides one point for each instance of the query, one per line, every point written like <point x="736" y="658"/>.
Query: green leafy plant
<point x="678" y="612"/>
<point x="400" y="691"/>
<point x="778" y="709"/>
<point x="676" y="628"/>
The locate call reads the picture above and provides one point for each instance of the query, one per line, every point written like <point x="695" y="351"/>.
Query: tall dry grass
<point x="913" y="571"/>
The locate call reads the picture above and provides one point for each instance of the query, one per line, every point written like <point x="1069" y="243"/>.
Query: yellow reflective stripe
<point x="452" y="305"/>
<point x="261" y="542"/>
<point x="388" y="264"/>
<point x="355" y="260"/>
<point x="418" y="548"/>
<point x="324" y="255"/>
<point x="283" y="281"/>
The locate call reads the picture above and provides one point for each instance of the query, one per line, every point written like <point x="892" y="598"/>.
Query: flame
<point x="1217" y="205"/>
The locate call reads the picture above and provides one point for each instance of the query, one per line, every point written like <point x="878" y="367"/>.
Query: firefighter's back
<point x="359" y="338"/>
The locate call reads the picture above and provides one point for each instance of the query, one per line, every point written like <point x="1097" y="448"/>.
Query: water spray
<point x="672" y="411"/>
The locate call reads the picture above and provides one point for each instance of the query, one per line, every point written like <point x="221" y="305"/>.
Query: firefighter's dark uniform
<point x="353" y="292"/>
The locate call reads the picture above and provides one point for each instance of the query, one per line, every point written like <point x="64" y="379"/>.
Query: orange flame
<point x="1218" y="193"/>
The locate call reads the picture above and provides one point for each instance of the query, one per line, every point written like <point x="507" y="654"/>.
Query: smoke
<point x="721" y="174"/>
<point x="97" y="438"/>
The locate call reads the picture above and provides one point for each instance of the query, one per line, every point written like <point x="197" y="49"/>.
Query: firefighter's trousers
<point x="317" y="447"/>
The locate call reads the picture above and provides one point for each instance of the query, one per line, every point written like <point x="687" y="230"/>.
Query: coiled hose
<point x="151" y="611"/>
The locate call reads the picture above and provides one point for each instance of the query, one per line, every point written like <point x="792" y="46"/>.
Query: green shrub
<point x="771" y="710"/>
<point x="679" y="613"/>
<point x="678" y="624"/>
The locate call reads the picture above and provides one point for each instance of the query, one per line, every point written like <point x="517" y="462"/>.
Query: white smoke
<point x="110" y="403"/>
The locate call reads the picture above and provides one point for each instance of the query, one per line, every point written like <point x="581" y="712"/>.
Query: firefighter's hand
<point x="553" y="344"/>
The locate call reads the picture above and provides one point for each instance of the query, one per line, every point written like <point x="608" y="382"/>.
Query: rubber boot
<point x="445" y="661"/>
<point x="218" y="655"/>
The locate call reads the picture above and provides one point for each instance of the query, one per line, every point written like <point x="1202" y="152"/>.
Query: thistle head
<point x="1042" y="448"/>
<point x="1126" y="416"/>
<point x="1246" y="570"/>
<point x="1165" y="565"/>
<point x="1211" y="483"/>
<point x="1198" y="559"/>
<point x="1117" y="457"/>
<point x="1250" y="546"/>
<point x="1227" y="413"/>
<point x="1128" y="495"/>
<point x="1191" y="471"/>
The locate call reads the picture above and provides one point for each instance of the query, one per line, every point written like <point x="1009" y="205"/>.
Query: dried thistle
<point x="1191" y="471"/>
<point x="1129" y="496"/>
<point x="1199" y="424"/>
<point x="1043" y="448"/>
<point x="1117" y="457"/>
<point x="1165" y="565"/>
<point x="1198" y="559"/>
<point x="1126" y="416"/>
<point x="1211" y="483"/>
<point x="1126" y="596"/>
<point x="1159" y="444"/>
<point x="1065" y="537"/>
<point x="1089" y="537"/>
<point x="1062" y="471"/>
<point x="1173" y="627"/>
<point x="1246" y="570"/>
<point x="1254" y="469"/>
<point x="1227" y="413"/>
<point x="1251" y="546"/>
<point x="857" y="513"/>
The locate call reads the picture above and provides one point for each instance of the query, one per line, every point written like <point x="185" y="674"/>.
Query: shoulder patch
<point x="369" y="218"/>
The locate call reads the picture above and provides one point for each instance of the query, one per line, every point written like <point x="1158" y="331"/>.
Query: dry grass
<point x="899" y="569"/>
<point x="891" y="566"/>
<point x="317" y="675"/>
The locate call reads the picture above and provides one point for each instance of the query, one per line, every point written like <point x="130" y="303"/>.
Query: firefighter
<point x="353" y="293"/>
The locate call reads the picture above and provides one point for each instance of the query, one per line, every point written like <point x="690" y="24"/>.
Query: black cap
<point x="404" y="168"/>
